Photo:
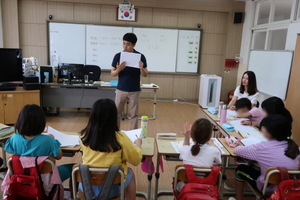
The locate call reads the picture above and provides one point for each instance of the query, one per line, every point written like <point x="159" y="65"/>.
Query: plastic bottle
<point x="223" y="115"/>
<point x="220" y="109"/>
<point x="144" y="127"/>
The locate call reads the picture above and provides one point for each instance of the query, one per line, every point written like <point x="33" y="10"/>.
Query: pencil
<point x="136" y="136"/>
<point x="240" y="134"/>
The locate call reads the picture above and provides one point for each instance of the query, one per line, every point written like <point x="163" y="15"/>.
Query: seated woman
<point x="104" y="145"/>
<point x="247" y="89"/>
<point x="279" y="151"/>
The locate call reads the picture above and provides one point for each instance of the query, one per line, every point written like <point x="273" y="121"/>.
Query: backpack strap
<point x="16" y="165"/>
<point x="86" y="182"/>
<point x="109" y="181"/>
<point x="192" y="178"/>
<point x="210" y="179"/>
<point x="283" y="173"/>
<point x="38" y="171"/>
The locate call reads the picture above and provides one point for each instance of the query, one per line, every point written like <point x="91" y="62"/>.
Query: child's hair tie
<point x="288" y="138"/>
<point x="200" y="145"/>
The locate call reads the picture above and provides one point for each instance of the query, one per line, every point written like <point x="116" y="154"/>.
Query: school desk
<point x="165" y="148"/>
<point x="67" y="151"/>
<point x="148" y="152"/>
<point x="83" y="95"/>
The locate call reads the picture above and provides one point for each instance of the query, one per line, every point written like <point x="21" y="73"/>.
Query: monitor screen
<point x="11" y="65"/>
<point x="65" y="68"/>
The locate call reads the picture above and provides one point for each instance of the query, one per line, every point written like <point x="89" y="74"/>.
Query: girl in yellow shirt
<point x="104" y="145"/>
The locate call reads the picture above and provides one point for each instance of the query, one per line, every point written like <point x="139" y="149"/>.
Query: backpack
<point x="288" y="189"/>
<point x="26" y="184"/>
<point x="200" y="188"/>
<point x="107" y="184"/>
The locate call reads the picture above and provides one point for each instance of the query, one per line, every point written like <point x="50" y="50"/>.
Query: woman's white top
<point x="253" y="98"/>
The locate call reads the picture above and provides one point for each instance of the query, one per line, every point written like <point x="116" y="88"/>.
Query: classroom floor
<point x="170" y="119"/>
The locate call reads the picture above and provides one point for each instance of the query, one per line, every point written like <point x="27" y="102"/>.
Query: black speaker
<point x="238" y="17"/>
<point x="31" y="83"/>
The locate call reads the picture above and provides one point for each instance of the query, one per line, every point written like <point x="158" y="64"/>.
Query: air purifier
<point x="210" y="90"/>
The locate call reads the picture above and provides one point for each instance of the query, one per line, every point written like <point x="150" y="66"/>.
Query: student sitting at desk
<point x="272" y="106"/>
<point x="29" y="140"/>
<point x="247" y="89"/>
<point x="104" y="145"/>
<point x="203" y="152"/>
<point x="279" y="151"/>
<point x="244" y="109"/>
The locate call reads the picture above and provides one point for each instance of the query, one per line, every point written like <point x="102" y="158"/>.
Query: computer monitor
<point x="11" y="65"/>
<point x="65" y="68"/>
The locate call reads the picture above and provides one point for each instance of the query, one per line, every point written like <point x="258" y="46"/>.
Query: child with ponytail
<point x="278" y="151"/>
<point x="203" y="152"/>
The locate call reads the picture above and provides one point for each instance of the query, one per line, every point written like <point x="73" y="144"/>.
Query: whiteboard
<point x="188" y="51"/>
<point x="291" y="38"/>
<point x="103" y="43"/>
<point x="272" y="69"/>
<point x="68" y="42"/>
<point x="166" y="50"/>
<point x="159" y="47"/>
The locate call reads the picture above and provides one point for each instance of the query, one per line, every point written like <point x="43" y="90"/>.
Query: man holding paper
<point x="129" y="65"/>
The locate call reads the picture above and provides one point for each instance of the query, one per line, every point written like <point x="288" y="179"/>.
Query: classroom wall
<point x="221" y="38"/>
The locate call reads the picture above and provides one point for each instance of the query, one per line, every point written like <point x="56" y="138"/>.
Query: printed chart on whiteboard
<point x="188" y="49"/>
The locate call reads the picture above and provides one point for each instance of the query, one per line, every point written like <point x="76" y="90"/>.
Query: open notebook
<point x="177" y="145"/>
<point x="64" y="139"/>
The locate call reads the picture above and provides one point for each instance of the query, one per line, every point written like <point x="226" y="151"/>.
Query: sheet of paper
<point x="64" y="139"/>
<point x="231" y="114"/>
<point x="242" y="128"/>
<point x="131" y="59"/>
<point x="132" y="134"/>
<point x="252" y="140"/>
<point x="178" y="144"/>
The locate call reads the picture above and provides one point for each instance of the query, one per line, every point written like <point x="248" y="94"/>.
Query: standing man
<point x="129" y="80"/>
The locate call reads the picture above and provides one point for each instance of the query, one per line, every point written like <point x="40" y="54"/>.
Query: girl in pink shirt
<point x="279" y="151"/>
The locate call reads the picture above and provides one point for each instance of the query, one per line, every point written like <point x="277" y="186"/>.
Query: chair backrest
<point x="180" y="174"/>
<point x="47" y="167"/>
<point x="97" y="175"/>
<point x="93" y="71"/>
<point x="273" y="176"/>
<point x="97" y="178"/>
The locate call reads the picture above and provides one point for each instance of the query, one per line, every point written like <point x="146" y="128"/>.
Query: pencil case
<point x="213" y="111"/>
<point x="228" y="127"/>
<point x="166" y="136"/>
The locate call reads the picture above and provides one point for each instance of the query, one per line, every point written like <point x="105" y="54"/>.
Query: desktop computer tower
<point x="210" y="90"/>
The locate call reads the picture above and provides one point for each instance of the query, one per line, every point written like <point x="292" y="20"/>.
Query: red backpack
<point x="200" y="188"/>
<point x="26" y="184"/>
<point x="288" y="189"/>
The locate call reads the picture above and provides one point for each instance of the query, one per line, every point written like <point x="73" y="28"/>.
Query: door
<point x="13" y="103"/>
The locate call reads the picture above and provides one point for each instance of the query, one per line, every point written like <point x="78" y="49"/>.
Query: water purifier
<point x="210" y="90"/>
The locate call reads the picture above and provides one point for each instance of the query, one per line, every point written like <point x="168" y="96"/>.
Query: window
<point x="277" y="39"/>
<point x="259" y="40"/>
<point x="283" y="9"/>
<point x="263" y="12"/>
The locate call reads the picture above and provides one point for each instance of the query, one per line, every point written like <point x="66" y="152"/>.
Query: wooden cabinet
<point x="11" y="102"/>
<point x="293" y="95"/>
